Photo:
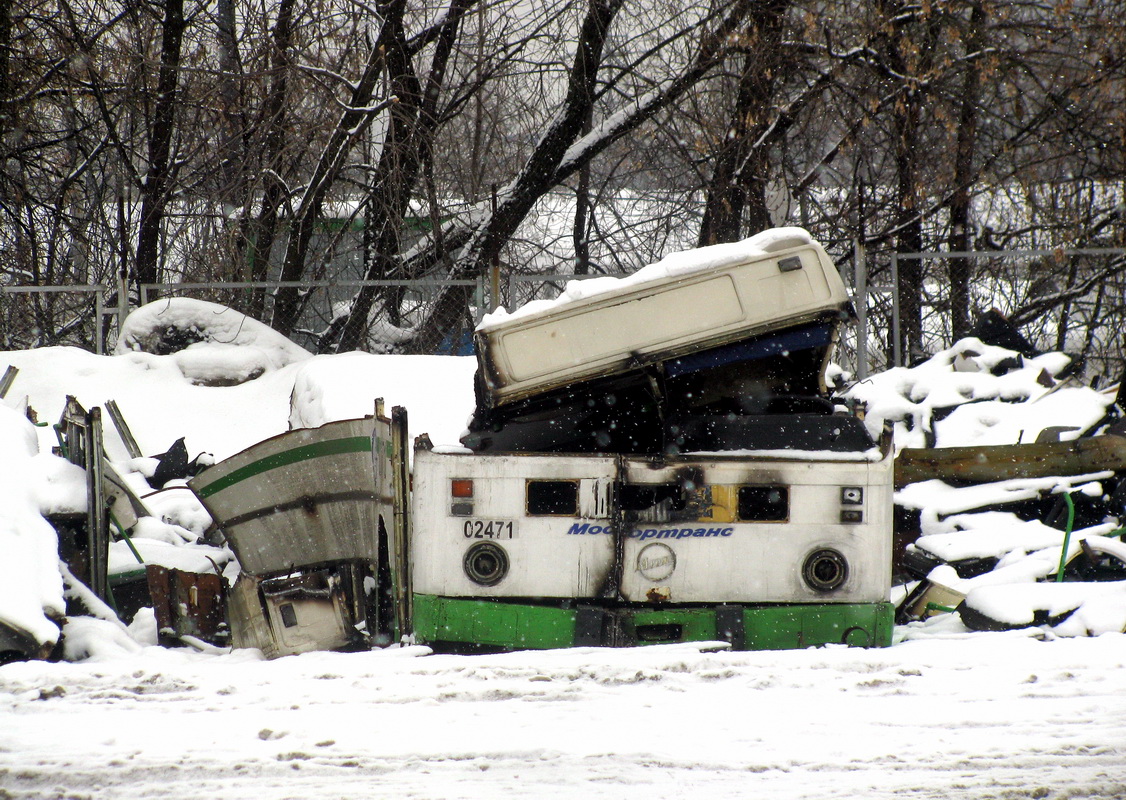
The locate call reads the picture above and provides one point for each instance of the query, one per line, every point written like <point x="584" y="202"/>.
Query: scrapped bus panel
<point x="689" y="302"/>
<point x="314" y="520"/>
<point x="309" y="496"/>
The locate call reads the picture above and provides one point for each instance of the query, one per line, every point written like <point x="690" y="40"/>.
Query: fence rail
<point x="52" y="315"/>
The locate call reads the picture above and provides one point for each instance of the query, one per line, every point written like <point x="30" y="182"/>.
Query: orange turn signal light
<point x="461" y="487"/>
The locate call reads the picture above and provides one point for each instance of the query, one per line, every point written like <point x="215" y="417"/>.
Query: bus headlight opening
<point x="825" y="570"/>
<point x="486" y="563"/>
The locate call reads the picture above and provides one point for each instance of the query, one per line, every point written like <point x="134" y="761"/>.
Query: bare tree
<point x="342" y="139"/>
<point x="563" y="148"/>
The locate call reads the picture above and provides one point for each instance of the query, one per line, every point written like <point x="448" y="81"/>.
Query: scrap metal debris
<point x="1005" y="522"/>
<point x="732" y="357"/>
<point x="308" y="514"/>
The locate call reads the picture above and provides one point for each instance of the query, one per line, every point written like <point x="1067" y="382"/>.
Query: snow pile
<point x="31" y="589"/>
<point x="34" y="584"/>
<point x="682" y="263"/>
<point x="211" y="344"/>
<point x="1071" y="609"/>
<point x="999" y="545"/>
<point x="436" y="391"/>
<point x="977" y="394"/>
<point x="992" y="543"/>
<point x="158" y="402"/>
<point x="936" y="500"/>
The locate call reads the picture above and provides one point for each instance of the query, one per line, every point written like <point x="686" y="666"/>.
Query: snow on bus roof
<point x="680" y="263"/>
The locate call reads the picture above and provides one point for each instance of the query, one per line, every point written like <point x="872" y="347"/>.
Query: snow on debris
<point x="1074" y="609"/>
<point x="935" y="500"/>
<point x="211" y="344"/>
<point x="975" y="394"/>
<point x="31" y="589"/>
<point x="971" y="394"/>
<point x="163" y="397"/>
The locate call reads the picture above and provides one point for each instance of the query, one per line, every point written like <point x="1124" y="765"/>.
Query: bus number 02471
<point x="489" y="529"/>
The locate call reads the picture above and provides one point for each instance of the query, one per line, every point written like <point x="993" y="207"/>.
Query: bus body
<point x="655" y="461"/>
<point x="548" y="550"/>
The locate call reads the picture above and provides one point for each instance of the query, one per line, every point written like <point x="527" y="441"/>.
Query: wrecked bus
<point x="656" y="461"/>
<point x="314" y="517"/>
<point x="688" y="304"/>
<point x="773" y="550"/>
<point x="544" y="550"/>
<point x="689" y="354"/>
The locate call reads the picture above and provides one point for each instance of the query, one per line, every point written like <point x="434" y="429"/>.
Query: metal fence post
<point x="122" y="301"/>
<point x="99" y="338"/>
<point x="860" y="281"/>
<point x="479" y="300"/>
<point x="897" y="345"/>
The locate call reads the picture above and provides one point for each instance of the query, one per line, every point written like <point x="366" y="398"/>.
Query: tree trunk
<point x="350" y="127"/>
<point x="737" y="189"/>
<point x="562" y="151"/>
<point x="154" y="189"/>
<point x="234" y="151"/>
<point x="6" y="110"/>
<point x="961" y="269"/>
<point x="407" y="146"/>
<point x="908" y="58"/>
<point x="580" y="230"/>
<point x="264" y="229"/>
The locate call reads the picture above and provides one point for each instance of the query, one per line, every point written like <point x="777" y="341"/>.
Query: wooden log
<point x="990" y="463"/>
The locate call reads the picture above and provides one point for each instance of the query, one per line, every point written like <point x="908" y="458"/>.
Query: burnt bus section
<point x="763" y="393"/>
<point x="722" y="528"/>
<point x="685" y="305"/>
<point x="553" y="550"/>
<point x="815" y="429"/>
<point x="663" y="463"/>
<point x="603" y="416"/>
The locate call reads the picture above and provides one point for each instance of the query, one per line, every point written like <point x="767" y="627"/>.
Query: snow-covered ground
<point x="945" y="712"/>
<point x="978" y="716"/>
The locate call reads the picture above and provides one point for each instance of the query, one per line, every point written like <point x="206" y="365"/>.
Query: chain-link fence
<point x="519" y="290"/>
<point x="43" y="316"/>
<point x="1071" y="300"/>
<point x="87" y="316"/>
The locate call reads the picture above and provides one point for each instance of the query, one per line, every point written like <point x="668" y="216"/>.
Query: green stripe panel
<point x="333" y="447"/>
<point x="522" y="626"/>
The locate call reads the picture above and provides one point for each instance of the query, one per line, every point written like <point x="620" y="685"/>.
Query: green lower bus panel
<point x="515" y="626"/>
<point x="447" y="621"/>
<point x="788" y="627"/>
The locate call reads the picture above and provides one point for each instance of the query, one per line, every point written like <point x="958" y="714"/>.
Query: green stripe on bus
<point x="355" y="444"/>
